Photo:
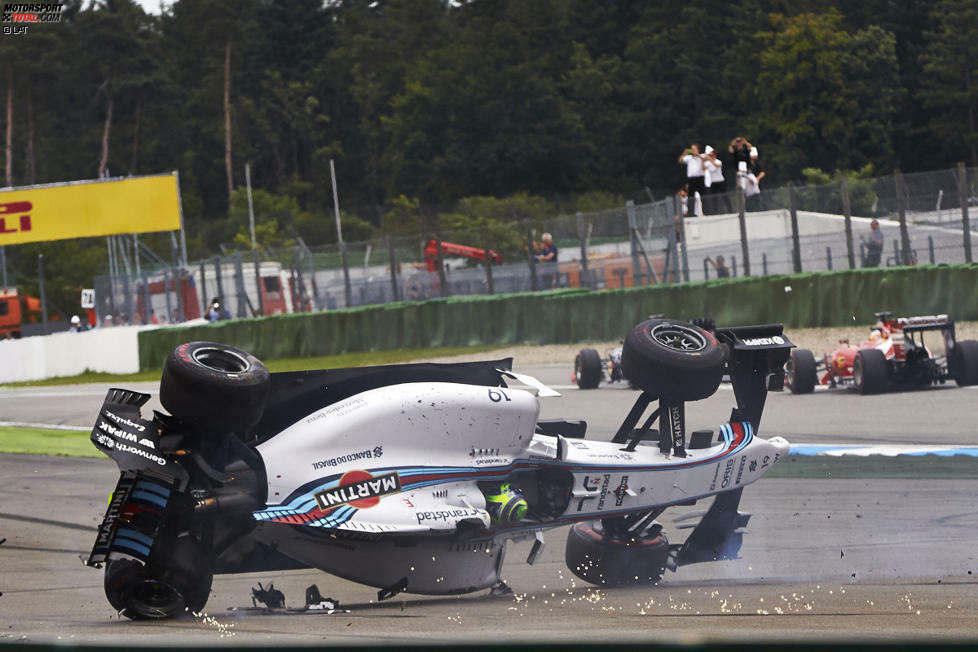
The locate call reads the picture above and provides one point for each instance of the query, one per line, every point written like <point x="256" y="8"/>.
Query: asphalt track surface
<point x="845" y="559"/>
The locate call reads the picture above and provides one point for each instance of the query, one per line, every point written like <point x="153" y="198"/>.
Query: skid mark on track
<point x="46" y="521"/>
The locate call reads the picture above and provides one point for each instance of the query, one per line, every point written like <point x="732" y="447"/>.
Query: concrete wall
<point x="112" y="350"/>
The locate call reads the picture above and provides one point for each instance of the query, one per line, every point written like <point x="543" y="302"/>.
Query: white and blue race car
<point x="393" y="476"/>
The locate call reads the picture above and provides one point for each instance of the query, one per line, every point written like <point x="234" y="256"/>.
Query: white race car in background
<point x="590" y="368"/>
<point x="395" y="476"/>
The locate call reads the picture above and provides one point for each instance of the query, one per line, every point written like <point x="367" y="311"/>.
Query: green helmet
<point x="507" y="505"/>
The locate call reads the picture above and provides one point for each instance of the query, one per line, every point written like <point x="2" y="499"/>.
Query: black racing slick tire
<point x="966" y="362"/>
<point x="176" y="580"/>
<point x="604" y="561"/>
<point x="216" y="387"/>
<point x="587" y="369"/>
<point x="801" y="372"/>
<point x="870" y="372"/>
<point x="673" y="360"/>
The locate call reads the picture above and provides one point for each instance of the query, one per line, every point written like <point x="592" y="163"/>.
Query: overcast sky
<point x="149" y="6"/>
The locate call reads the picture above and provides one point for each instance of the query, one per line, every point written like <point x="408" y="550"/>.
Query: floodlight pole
<point x="183" y="235"/>
<point x="251" y="205"/>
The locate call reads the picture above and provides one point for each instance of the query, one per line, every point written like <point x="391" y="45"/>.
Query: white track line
<point x="48" y="426"/>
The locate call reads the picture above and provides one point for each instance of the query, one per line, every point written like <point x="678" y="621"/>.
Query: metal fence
<point x="924" y="219"/>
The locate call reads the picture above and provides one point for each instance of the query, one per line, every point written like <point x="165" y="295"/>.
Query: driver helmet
<point x="874" y="336"/>
<point x="506" y="504"/>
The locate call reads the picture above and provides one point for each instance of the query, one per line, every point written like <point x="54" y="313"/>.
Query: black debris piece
<point x="270" y="597"/>
<point x="388" y="593"/>
<point x="315" y="600"/>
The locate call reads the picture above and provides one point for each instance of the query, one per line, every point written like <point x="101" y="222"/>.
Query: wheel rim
<point x="220" y="360"/>
<point x="789" y="371"/>
<point x="857" y="373"/>
<point x="155" y="599"/>
<point x="679" y="338"/>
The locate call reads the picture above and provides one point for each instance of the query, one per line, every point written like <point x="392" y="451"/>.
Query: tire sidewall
<point x="611" y="562"/>
<point x="212" y="398"/>
<point x="181" y="565"/>
<point x="803" y="376"/>
<point x="869" y="371"/>
<point x="668" y="373"/>
<point x="966" y="362"/>
<point x="588" y="368"/>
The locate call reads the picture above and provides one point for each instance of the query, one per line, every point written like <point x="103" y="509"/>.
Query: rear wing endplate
<point x="756" y="366"/>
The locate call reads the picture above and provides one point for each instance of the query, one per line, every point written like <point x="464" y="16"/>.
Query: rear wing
<point x="131" y="441"/>
<point x="927" y="323"/>
<point x="756" y="365"/>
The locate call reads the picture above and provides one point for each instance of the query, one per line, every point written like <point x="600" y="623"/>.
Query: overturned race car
<point x="393" y="476"/>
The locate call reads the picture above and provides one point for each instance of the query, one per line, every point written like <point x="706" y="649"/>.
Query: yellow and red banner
<point x="89" y="208"/>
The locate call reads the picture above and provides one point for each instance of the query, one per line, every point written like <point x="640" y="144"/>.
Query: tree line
<point x="432" y="105"/>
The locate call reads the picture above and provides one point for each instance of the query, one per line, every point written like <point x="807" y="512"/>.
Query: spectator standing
<point x="548" y="254"/>
<point x="740" y="149"/>
<point x="720" y="265"/>
<point x="695" y="171"/>
<point x="755" y="172"/>
<point x="683" y="195"/>
<point x="76" y="325"/>
<point x="874" y="245"/>
<point x="718" y="184"/>
<point x="548" y="257"/>
<point x="214" y="312"/>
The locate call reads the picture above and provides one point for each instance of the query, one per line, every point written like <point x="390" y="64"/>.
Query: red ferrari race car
<point x="895" y="354"/>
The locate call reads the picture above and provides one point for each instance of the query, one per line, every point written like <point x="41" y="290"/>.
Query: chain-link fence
<point x="922" y="218"/>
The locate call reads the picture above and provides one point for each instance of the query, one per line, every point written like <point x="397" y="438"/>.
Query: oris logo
<point x="764" y="341"/>
<point x="10" y="224"/>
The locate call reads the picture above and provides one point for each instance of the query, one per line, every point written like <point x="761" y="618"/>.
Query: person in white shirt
<point x="693" y="160"/>
<point x="719" y="201"/>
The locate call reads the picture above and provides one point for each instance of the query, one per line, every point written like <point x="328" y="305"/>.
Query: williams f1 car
<point x="894" y="355"/>
<point x="414" y="477"/>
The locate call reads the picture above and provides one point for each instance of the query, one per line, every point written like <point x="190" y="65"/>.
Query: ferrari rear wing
<point x="927" y="323"/>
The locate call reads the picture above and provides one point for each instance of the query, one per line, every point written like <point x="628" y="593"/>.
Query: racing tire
<point x="587" y="369"/>
<point x="603" y="561"/>
<point x="966" y="362"/>
<point x="673" y="360"/>
<point x="216" y="387"/>
<point x="870" y="372"/>
<point x="176" y="580"/>
<point x="801" y="371"/>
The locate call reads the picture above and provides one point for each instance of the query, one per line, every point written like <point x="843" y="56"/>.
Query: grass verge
<point x="289" y="364"/>
<point x="41" y="441"/>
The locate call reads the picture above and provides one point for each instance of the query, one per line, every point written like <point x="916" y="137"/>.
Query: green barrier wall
<point x="817" y="299"/>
